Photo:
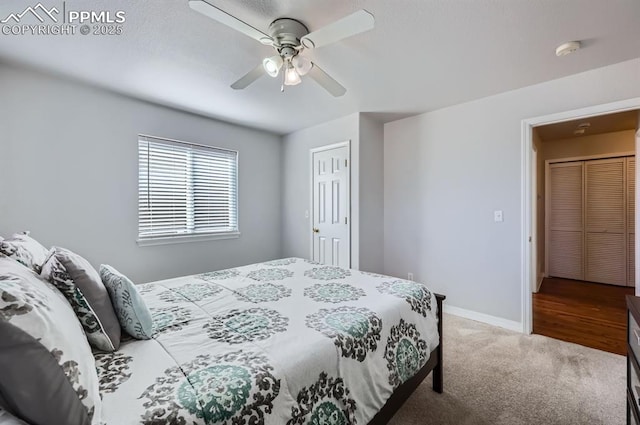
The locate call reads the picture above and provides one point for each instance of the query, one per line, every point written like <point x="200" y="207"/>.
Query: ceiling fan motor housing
<point x="286" y="33"/>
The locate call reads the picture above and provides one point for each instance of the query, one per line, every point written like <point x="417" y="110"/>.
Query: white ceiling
<point x="422" y="55"/>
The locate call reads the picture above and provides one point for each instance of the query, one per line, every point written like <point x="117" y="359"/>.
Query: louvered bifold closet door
<point x="565" y="220"/>
<point x="605" y="221"/>
<point x="631" y="221"/>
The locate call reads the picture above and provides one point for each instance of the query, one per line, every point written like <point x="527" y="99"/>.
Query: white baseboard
<point x="484" y="318"/>
<point x="539" y="284"/>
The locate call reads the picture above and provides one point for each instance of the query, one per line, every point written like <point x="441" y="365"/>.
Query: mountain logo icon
<point x="39" y="11"/>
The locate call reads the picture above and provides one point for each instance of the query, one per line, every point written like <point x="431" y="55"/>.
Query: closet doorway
<point x="590" y="218"/>
<point x="585" y="229"/>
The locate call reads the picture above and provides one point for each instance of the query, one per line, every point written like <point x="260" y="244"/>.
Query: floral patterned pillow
<point x="47" y="371"/>
<point x="80" y="283"/>
<point x="132" y="312"/>
<point x="24" y="249"/>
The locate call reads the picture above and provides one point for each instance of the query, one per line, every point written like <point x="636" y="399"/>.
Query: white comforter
<point x="282" y="342"/>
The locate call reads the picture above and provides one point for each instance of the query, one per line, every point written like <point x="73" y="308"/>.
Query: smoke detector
<point x="581" y="128"/>
<point x="567" y="48"/>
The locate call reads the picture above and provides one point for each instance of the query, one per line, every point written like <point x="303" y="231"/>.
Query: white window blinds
<point x="185" y="189"/>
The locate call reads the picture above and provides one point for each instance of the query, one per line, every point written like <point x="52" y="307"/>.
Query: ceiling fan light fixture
<point x="291" y="76"/>
<point x="272" y="65"/>
<point x="302" y="64"/>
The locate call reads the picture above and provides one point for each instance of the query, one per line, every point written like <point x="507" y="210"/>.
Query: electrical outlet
<point x="410" y="276"/>
<point x="497" y="216"/>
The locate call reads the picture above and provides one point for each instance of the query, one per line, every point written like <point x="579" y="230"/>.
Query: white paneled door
<point x="331" y="206"/>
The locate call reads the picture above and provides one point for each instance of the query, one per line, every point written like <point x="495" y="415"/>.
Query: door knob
<point x="316" y="230"/>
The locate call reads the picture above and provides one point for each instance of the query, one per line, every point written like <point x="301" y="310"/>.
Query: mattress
<point x="282" y="342"/>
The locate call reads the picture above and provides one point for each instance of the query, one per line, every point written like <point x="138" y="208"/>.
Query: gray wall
<point x="371" y="194"/>
<point x="445" y="173"/>
<point x="367" y="191"/>
<point x="68" y="155"/>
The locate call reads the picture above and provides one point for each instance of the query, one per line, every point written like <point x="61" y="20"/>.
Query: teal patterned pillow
<point x="132" y="312"/>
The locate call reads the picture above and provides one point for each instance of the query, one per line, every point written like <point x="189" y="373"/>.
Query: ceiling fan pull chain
<point x="283" y="79"/>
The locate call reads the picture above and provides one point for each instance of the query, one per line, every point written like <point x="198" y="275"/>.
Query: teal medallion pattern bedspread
<point x="282" y="342"/>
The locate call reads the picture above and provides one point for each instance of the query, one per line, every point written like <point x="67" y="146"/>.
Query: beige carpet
<point x="494" y="376"/>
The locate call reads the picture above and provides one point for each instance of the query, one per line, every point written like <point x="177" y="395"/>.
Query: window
<point x="185" y="191"/>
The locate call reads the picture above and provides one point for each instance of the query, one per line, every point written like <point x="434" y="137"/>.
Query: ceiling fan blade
<point x="325" y="80"/>
<point x="230" y="21"/>
<point x="353" y="24"/>
<point x="249" y="78"/>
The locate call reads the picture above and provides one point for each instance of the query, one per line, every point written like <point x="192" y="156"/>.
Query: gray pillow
<point x="132" y="312"/>
<point x="47" y="371"/>
<point x="80" y="283"/>
<point x="23" y="359"/>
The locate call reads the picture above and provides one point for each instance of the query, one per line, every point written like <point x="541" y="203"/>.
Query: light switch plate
<point x="497" y="216"/>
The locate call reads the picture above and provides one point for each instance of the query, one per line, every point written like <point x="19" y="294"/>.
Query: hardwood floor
<point x="585" y="313"/>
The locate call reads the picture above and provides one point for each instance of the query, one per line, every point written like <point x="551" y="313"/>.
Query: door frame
<point x="529" y="193"/>
<point x="347" y="144"/>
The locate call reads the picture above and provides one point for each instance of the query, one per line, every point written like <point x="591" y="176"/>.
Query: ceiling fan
<point x="290" y="38"/>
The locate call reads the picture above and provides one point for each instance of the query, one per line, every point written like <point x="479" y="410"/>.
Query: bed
<point x="288" y="341"/>
<point x="282" y="342"/>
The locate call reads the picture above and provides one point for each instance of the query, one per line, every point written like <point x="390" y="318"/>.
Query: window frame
<point x="193" y="236"/>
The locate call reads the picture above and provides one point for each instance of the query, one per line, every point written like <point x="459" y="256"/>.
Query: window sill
<point x="168" y="240"/>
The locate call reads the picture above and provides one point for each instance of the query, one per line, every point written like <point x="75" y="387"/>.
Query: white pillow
<point x="24" y="249"/>
<point x="7" y="418"/>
